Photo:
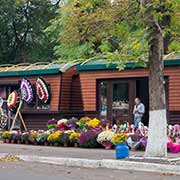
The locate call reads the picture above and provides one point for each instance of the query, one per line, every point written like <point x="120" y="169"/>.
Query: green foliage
<point x="22" y="36"/>
<point x="116" y="32"/>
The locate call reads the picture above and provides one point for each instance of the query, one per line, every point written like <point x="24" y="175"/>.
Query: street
<point x="38" y="171"/>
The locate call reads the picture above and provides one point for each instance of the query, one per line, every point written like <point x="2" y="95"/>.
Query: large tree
<point x="124" y="30"/>
<point x="22" y="36"/>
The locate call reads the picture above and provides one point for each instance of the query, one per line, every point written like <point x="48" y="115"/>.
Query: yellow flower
<point x="55" y="136"/>
<point x="5" y="134"/>
<point x="74" y="136"/>
<point x="85" y="119"/>
<point x="119" y="138"/>
<point x="94" y="123"/>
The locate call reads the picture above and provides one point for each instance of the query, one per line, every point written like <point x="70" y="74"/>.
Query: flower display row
<point x="84" y="132"/>
<point x="91" y="133"/>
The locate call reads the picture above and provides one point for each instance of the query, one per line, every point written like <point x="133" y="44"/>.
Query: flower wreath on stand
<point x="13" y="101"/>
<point x="26" y="91"/>
<point x="42" y="90"/>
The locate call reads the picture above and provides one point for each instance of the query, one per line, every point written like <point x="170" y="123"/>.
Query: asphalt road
<point x="32" y="171"/>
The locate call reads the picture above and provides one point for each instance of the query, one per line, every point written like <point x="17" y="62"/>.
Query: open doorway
<point x="142" y="91"/>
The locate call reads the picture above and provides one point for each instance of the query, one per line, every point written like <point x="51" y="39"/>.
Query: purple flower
<point x="52" y="121"/>
<point x="87" y="135"/>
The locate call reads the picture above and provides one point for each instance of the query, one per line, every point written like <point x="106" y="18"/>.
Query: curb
<point x="104" y="163"/>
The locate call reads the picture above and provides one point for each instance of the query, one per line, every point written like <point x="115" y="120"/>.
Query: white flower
<point x="62" y="121"/>
<point x="105" y="136"/>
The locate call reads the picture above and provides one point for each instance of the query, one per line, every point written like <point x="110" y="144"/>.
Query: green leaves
<point x="115" y="32"/>
<point x="22" y="36"/>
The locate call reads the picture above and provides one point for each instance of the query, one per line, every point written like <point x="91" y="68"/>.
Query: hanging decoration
<point x="13" y="101"/>
<point x="26" y="91"/>
<point x="42" y="90"/>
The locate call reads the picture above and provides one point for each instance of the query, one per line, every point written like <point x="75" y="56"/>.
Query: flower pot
<point x="46" y="143"/>
<point x="122" y="151"/>
<point x="12" y="141"/>
<point x="107" y="145"/>
<point x="56" y="144"/>
<point x="7" y="141"/>
<point x="4" y="140"/>
<point x="75" y="145"/>
<point x="65" y="145"/>
<point x="19" y="141"/>
<point x="26" y="142"/>
<point x="35" y="143"/>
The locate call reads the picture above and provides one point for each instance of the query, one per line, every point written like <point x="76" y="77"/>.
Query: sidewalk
<point x="93" y="158"/>
<point x="67" y="152"/>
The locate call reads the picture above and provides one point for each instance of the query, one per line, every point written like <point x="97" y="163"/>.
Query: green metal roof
<point x="26" y="69"/>
<point x="102" y="65"/>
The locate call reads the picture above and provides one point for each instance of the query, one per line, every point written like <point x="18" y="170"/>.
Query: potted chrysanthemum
<point x="122" y="150"/>
<point x="105" y="138"/>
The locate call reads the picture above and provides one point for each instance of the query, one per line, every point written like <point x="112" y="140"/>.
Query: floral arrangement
<point x="74" y="137"/>
<point x="88" y="139"/>
<point x="119" y="138"/>
<point x="6" y="135"/>
<point x="94" y="123"/>
<point x="26" y="91"/>
<point x="62" y="121"/>
<point x="54" y="137"/>
<point x="33" y="136"/>
<point x="82" y="125"/>
<point x="25" y="137"/>
<point x="105" y="136"/>
<point x="13" y="100"/>
<point x="72" y="123"/>
<point x="85" y="119"/>
<point x="52" y="123"/>
<point x="12" y="135"/>
<point x="17" y="136"/>
<point x="62" y="124"/>
<point x="42" y="137"/>
<point x="42" y="90"/>
<point x="65" y="138"/>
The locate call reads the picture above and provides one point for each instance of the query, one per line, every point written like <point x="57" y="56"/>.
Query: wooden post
<point x="15" y="117"/>
<point x="22" y="120"/>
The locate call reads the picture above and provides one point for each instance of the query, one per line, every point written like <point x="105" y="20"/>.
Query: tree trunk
<point x="157" y="135"/>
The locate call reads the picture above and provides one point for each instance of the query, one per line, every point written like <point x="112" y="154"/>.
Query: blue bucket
<point x="122" y="151"/>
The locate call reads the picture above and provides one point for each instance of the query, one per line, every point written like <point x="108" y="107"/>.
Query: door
<point x="116" y="99"/>
<point x="120" y="102"/>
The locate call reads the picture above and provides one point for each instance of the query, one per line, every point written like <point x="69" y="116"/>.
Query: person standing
<point x="138" y="112"/>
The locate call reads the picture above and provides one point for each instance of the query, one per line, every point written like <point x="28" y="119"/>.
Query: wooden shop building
<point x="90" y="89"/>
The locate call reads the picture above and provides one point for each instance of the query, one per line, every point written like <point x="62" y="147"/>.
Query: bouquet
<point x="32" y="136"/>
<point x="94" y="123"/>
<point x="74" y="137"/>
<point x="42" y="137"/>
<point x="62" y="124"/>
<point x="71" y="123"/>
<point x="87" y="139"/>
<point x="54" y="137"/>
<point x="52" y="124"/>
<point x="85" y="119"/>
<point x="25" y="137"/>
<point x="119" y="138"/>
<point x="105" y="136"/>
<point x="64" y="138"/>
<point x="82" y="125"/>
<point x="6" y="135"/>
